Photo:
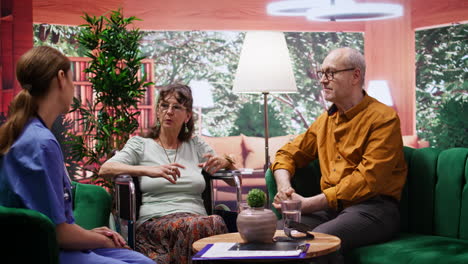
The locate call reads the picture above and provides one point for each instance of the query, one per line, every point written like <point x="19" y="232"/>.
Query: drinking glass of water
<point x="291" y="210"/>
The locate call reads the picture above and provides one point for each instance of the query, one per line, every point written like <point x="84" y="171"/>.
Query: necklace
<point x="165" y="152"/>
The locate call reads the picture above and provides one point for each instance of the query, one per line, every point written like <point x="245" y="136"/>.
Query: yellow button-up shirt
<point x="360" y="153"/>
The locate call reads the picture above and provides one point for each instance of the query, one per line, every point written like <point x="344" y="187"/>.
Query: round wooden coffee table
<point x="321" y="245"/>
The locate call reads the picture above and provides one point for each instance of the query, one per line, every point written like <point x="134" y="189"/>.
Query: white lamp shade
<point x="264" y="65"/>
<point x="202" y="93"/>
<point x="379" y="90"/>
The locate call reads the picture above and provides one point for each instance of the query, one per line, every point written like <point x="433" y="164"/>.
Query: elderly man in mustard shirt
<point x="359" y="146"/>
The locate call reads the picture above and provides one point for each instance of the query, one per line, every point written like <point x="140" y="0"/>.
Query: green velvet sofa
<point x="29" y="236"/>
<point x="433" y="207"/>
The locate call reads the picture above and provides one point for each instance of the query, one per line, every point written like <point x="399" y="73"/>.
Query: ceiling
<point x="233" y="14"/>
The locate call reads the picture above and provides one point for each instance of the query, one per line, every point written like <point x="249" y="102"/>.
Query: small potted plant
<point x="256" y="224"/>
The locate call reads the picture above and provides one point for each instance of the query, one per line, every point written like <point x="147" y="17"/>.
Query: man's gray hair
<point x="355" y="59"/>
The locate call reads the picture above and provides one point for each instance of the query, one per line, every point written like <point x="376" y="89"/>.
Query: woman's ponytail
<point x="34" y="71"/>
<point x="22" y="108"/>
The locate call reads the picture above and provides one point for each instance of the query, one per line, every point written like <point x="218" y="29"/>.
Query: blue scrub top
<point x="33" y="174"/>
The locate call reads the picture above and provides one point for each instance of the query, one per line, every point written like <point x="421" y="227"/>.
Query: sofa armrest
<point x="272" y="190"/>
<point x="29" y="237"/>
<point x="91" y="205"/>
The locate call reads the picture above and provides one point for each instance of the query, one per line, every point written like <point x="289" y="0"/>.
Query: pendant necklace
<point x="165" y="152"/>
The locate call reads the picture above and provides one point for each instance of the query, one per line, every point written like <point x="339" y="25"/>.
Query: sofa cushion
<point x="414" y="249"/>
<point x="451" y="194"/>
<point x="417" y="202"/>
<point x="255" y="149"/>
<point x="228" y="145"/>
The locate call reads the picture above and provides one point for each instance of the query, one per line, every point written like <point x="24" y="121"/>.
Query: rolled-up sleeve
<point x="298" y="153"/>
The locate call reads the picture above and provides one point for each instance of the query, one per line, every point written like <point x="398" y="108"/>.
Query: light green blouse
<point x="159" y="196"/>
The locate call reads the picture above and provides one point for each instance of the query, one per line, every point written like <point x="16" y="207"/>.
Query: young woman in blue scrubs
<point x="32" y="171"/>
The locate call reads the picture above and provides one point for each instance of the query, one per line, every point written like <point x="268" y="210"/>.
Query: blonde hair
<point x="35" y="71"/>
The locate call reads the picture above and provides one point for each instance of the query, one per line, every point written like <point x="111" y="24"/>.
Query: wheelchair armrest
<point x="235" y="175"/>
<point x="127" y="198"/>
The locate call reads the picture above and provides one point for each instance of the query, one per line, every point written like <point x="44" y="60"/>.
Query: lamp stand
<point x="265" y="118"/>
<point x="267" y="156"/>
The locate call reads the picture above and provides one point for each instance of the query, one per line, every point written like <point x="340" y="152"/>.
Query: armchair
<point x="127" y="197"/>
<point x="31" y="235"/>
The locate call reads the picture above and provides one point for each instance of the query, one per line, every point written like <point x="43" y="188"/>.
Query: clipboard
<point x="220" y="251"/>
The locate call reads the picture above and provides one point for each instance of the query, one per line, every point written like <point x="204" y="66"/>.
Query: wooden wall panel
<point x="22" y="32"/>
<point x="184" y="15"/>
<point x="390" y="55"/>
<point x="430" y="13"/>
<point x="230" y="15"/>
<point x="63" y="12"/>
<point x="222" y="15"/>
<point x="16" y="38"/>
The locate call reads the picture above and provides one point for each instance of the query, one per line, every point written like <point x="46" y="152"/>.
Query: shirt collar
<point x="42" y="121"/>
<point x="353" y="111"/>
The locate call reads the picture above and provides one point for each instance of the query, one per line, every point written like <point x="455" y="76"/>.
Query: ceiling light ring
<point x="343" y="10"/>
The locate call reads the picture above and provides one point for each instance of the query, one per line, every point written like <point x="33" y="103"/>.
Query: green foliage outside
<point x="307" y="50"/>
<point x="63" y="38"/>
<point x="213" y="56"/>
<point x="442" y="86"/>
<point x="111" y="118"/>
<point x="184" y="56"/>
<point x="256" y="198"/>
<point x="250" y="121"/>
<point x="451" y="125"/>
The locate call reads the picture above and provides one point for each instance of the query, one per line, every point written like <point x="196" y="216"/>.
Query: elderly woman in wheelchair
<point x="168" y="164"/>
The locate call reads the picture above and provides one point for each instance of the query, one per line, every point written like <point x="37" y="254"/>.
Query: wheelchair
<point x="127" y="202"/>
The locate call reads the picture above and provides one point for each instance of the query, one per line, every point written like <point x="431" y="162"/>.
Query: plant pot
<point x="257" y="225"/>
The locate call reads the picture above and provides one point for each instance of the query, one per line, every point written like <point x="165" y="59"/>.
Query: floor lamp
<point x="264" y="67"/>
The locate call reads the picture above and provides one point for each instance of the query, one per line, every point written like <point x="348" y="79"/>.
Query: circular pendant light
<point x="335" y="10"/>
<point x="294" y="7"/>
<point x="350" y="11"/>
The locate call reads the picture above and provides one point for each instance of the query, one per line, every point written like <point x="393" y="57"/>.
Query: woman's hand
<point x="169" y="171"/>
<point x="117" y="240"/>
<point x="214" y="163"/>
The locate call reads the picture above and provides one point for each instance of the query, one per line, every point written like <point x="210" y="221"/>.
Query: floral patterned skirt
<point x="169" y="239"/>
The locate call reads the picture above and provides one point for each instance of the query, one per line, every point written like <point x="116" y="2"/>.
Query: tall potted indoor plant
<point x="256" y="224"/>
<point x="110" y="117"/>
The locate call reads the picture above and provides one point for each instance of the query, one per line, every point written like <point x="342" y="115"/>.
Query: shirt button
<point x="334" y="169"/>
